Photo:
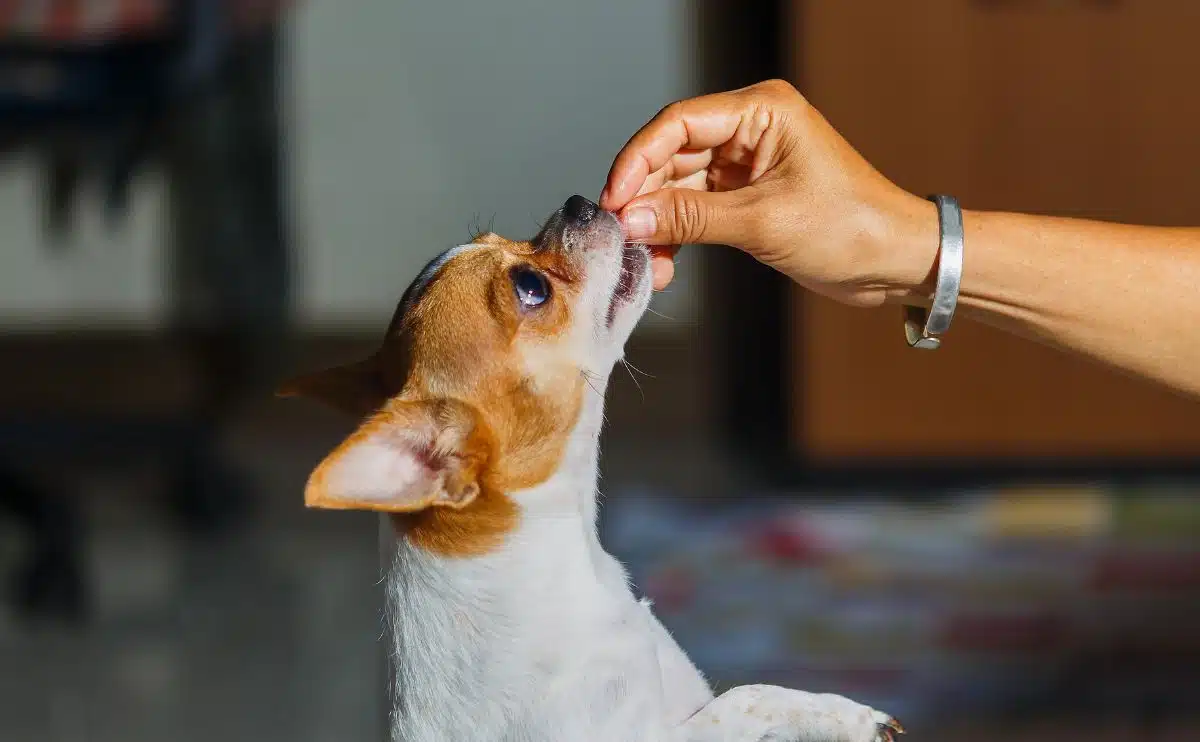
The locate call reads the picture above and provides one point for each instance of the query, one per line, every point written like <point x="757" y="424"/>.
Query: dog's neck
<point x="473" y="639"/>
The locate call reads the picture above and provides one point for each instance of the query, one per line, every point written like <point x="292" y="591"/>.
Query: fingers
<point x="677" y="216"/>
<point x="695" y="182"/>
<point x="662" y="265"/>
<point x="662" y="262"/>
<point x="696" y="124"/>
<point x="685" y="164"/>
<point x="677" y="179"/>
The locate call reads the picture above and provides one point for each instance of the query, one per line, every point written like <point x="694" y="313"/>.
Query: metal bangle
<point x="923" y="329"/>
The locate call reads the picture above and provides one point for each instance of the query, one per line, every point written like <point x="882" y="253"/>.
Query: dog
<point x="481" y="416"/>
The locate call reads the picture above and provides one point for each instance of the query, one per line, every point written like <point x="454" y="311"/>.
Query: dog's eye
<point x="531" y="287"/>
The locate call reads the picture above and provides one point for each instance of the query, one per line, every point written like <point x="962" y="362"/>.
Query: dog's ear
<point x="356" y="388"/>
<point x="409" y="456"/>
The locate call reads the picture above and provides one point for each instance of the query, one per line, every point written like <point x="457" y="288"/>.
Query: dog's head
<point x="483" y="371"/>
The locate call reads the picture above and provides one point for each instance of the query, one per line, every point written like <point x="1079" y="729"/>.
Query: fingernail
<point x="604" y="198"/>
<point x="639" y="223"/>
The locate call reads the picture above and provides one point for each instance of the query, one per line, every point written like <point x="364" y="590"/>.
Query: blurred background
<point x="199" y="197"/>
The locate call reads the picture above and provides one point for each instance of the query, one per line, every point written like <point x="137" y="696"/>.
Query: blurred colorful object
<point x="90" y="21"/>
<point x="89" y="86"/>
<point x="983" y="602"/>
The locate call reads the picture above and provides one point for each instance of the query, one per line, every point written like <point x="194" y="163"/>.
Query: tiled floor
<point x="267" y="633"/>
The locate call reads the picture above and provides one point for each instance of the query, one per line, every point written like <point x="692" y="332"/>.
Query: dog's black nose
<point x="579" y="210"/>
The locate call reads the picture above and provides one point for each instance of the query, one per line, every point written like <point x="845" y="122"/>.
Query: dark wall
<point x="745" y="302"/>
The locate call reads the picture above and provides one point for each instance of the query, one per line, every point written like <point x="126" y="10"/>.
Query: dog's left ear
<point x="356" y="388"/>
<point x="409" y="456"/>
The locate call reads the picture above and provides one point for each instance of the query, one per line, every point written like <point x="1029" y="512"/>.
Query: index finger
<point x="697" y="124"/>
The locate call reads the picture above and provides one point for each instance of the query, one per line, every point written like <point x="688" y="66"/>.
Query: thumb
<point x="677" y="216"/>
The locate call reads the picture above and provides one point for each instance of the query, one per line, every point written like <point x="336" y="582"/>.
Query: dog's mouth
<point x="634" y="260"/>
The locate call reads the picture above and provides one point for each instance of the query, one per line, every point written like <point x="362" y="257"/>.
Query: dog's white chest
<point x="556" y="654"/>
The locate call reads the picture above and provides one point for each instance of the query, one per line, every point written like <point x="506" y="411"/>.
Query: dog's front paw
<point x="751" y="713"/>
<point x="826" y="717"/>
<point x="886" y="727"/>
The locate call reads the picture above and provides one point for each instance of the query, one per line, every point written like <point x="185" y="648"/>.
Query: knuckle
<point x="688" y="219"/>
<point x="778" y="87"/>
<point x="672" y="111"/>
<point x="780" y="92"/>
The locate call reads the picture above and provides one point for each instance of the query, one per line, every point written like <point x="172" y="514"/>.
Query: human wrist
<point x="906" y="246"/>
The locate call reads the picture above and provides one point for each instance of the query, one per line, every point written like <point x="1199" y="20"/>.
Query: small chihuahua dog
<point x="508" y="621"/>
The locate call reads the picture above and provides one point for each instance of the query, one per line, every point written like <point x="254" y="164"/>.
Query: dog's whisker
<point x="635" y="368"/>
<point x="629" y="368"/>
<point x="588" y="379"/>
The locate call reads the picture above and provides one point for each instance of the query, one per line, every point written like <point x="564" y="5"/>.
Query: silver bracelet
<point x="924" y="329"/>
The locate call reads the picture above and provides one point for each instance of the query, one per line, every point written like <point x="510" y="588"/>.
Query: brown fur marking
<point x="461" y="348"/>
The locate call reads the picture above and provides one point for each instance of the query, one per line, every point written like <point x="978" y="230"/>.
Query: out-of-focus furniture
<point x="97" y="91"/>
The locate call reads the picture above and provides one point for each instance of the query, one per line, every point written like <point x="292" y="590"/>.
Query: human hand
<point x="760" y="169"/>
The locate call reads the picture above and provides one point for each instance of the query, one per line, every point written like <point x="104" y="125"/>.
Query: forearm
<point x="1128" y="296"/>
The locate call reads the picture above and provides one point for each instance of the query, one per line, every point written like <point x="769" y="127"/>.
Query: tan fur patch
<point x="464" y="339"/>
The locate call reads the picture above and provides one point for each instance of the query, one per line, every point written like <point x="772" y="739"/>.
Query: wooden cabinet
<point x="1086" y="108"/>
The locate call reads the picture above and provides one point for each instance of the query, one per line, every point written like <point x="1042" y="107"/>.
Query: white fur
<point x="375" y="470"/>
<point x="542" y="640"/>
